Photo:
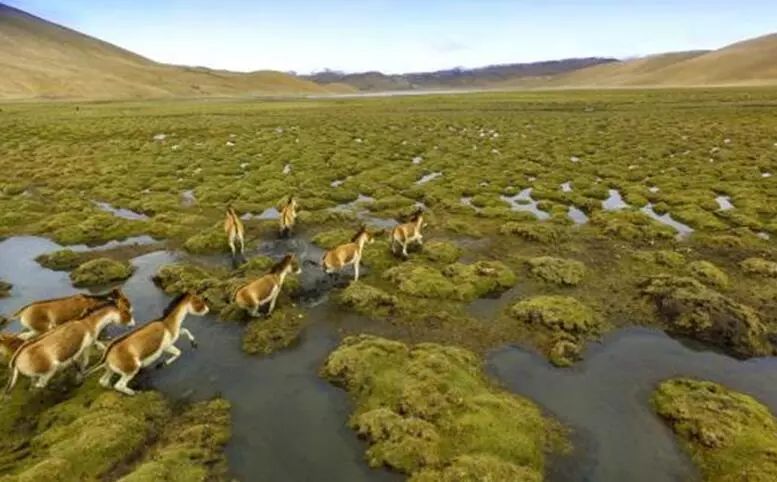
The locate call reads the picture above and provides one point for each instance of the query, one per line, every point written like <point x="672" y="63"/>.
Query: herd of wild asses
<point x="61" y="332"/>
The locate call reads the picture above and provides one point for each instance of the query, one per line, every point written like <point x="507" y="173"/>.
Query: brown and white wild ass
<point x="288" y="216"/>
<point x="404" y="234"/>
<point x="126" y="355"/>
<point x="235" y="231"/>
<point x="266" y="289"/>
<point x="349" y="253"/>
<point x="42" y="357"/>
<point x="41" y="316"/>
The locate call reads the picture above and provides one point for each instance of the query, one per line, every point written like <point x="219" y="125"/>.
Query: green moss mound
<point x="62" y="260"/>
<point x="93" y="434"/>
<point x="101" y="271"/>
<point x="632" y="226"/>
<point x="760" y="267"/>
<point x="428" y="409"/>
<point x="477" y="468"/>
<point x="441" y="252"/>
<point x="189" y="448"/>
<point x="368" y="300"/>
<point x="557" y="313"/>
<point x="538" y="232"/>
<point x="458" y="281"/>
<point x="730" y="436"/>
<point x="709" y="274"/>
<point x="179" y="278"/>
<point x="211" y="241"/>
<point x="561" y="323"/>
<point x="265" y="336"/>
<point x="557" y="270"/>
<point x="691" y="308"/>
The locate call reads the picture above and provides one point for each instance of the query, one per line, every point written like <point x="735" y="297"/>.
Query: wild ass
<point x="288" y="216"/>
<point x="404" y="234"/>
<point x="345" y="254"/>
<point x="126" y="355"/>
<point x="266" y="289"/>
<point x="42" y="357"/>
<point x="41" y="316"/>
<point x="235" y="231"/>
<point x="9" y="343"/>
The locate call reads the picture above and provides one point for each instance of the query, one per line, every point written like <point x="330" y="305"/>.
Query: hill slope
<point x="751" y="62"/>
<point x="42" y="59"/>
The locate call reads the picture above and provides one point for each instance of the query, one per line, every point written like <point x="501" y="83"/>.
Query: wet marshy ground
<point x="288" y="423"/>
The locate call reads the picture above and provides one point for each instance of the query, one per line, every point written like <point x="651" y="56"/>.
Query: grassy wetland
<point x="553" y="220"/>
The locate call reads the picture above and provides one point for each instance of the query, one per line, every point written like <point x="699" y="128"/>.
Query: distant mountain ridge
<point x="479" y="77"/>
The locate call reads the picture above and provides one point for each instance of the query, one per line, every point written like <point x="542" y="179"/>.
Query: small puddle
<point x="566" y="187"/>
<point x="269" y="213"/>
<point x="614" y="202"/>
<point x="188" y="199"/>
<point x="683" y="230"/>
<point x="724" y="203"/>
<point x="428" y="177"/>
<point x="287" y="169"/>
<point x="606" y="400"/>
<point x="524" y="202"/>
<point x="576" y="215"/>
<point x="337" y="183"/>
<point x="121" y="212"/>
<point x="357" y="207"/>
<point x="417" y="160"/>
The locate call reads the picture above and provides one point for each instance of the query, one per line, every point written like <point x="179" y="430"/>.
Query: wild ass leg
<point x="81" y="364"/>
<point x="188" y="334"/>
<point x="105" y="380"/>
<point x="121" y="385"/>
<point x="404" y="249"/>
<point x="242" y="243"/>
<point x="26" y="335"/>
<point x="232" y="244"/>
<point x="272" y="303"/>
<point x="356" y="269"/>
<point x="43" y="380"/>
<point x="175" y="352"/>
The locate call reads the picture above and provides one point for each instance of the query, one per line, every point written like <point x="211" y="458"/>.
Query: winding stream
<point x="290" y="425"/>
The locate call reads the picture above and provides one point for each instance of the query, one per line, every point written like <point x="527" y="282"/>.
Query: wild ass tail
<point x="11" y="381"/>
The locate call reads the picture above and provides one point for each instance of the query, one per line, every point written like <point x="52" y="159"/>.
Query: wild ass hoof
<point x="194" y="344"/>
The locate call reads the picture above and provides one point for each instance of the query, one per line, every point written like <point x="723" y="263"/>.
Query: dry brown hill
<point x="752" y="62"/>
<point x="41" y="59"/>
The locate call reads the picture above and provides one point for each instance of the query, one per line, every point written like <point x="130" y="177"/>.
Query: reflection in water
<point x="614" y="202"/>
<point x="683" y="230"/>
<point x="724" y="203"/>
<point x="121" y="212"/>
<point x="358" y="207"/>
<point x="269" y="213"/>
<point x="428" y="177"/>
<point x="605" y="399"/>
<point x="576" y="215"/>
<point x="524" y="202"/>
<point x="288" y="424"/>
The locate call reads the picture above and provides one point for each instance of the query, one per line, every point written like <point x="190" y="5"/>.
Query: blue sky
<point x="403" y="35"/>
